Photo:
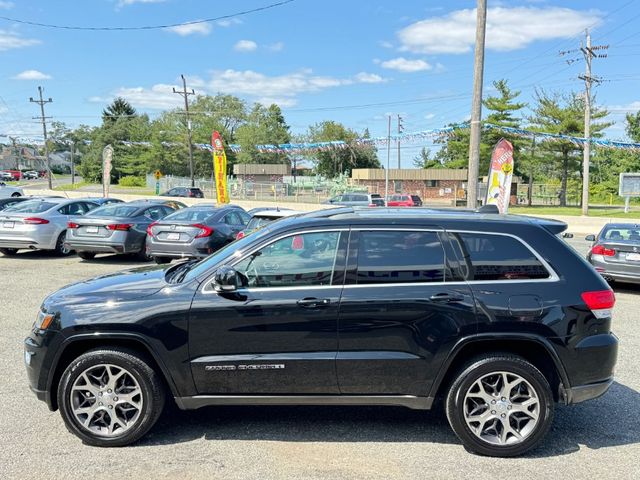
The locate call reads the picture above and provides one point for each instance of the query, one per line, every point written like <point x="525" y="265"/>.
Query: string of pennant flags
<point x="409" y="137"/>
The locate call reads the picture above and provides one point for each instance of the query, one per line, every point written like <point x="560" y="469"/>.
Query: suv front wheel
<point x="110" y="397"/>
<point x="500" y="405"/>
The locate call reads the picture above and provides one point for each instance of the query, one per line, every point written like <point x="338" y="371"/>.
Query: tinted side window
<point x="233" y="218"/>
<point x="154" y="213"/>
<point x="298" y="260"/>
<point x="399" y="257"/>
<point x="498" y="257"/>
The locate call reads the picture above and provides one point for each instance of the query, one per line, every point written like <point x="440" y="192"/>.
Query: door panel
<point x="397" y="313"/>
<point x="278" y="335"/>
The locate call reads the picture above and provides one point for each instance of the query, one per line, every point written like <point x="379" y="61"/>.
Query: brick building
<point x="434" y="184"/>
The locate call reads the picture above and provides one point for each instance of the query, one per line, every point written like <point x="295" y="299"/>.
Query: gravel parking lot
<point x="600" y="438"/>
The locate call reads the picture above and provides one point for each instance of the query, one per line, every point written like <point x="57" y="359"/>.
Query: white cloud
<point x="32" y="75"/>
<point x="275" y="47"/>
<point x="385" y="44"/>
<point x="403" y="65"/>
<point x="10" y="40"/>
<point x="245" y="46"/>
<point x="158" y="97"/>
<point x="6" y="5"/>
<point x="280" y="89"/>
<point x="227" y="22"/>
<point x="364" y="77"/>
<point x="124" y="3"/>
<point x="191" y="29"/>
<point x="430" y="116"/>
<point x="507" y="29"/>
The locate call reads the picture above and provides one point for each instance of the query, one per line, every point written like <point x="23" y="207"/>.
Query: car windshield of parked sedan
<point x="117" y="210"/>
<point x="615" y="234"/>
<point x="191" y="215"/>
<point x="35" y="206"/>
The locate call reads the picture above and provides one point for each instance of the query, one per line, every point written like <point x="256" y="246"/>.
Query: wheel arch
<point x="535" y="350"/>
<point x="77" y="345"/>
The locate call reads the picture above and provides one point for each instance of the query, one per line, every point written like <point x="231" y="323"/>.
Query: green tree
<point x="334" y="161"/>
<point x="564" y="114"/>
<point x="633" y="126"/>
<point x="425" y="159"/>
<point x="119" y="108"/>
<point x="263" y="126"/>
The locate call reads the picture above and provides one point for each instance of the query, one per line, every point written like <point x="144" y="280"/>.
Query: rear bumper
<point x="24" y="242"/>
<point x="621" y="277"/>
<point x="616" y="271"/>
<point x="587" y="392"/>
<point x="111" y="247"/>
<point x="198" y="248"/>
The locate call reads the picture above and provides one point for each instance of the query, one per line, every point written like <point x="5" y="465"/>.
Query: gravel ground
<point x="600" y="438"/>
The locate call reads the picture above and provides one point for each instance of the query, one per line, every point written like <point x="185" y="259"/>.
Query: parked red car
<point x="15" y="174"/>
<point x="404" y="200"/>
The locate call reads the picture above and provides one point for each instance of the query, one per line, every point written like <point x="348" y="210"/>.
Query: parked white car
<point x="7" y="191"/>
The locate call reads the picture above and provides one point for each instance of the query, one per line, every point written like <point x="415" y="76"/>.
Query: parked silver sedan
<point x="9" y="191"/>
<point x="615" y="252"/>
<point x="39" y="224"/>
<point x="115" y="228"/>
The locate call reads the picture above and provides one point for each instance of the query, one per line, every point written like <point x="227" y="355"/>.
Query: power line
<point x="148" y="27"/>
<point x="43" y="118"/>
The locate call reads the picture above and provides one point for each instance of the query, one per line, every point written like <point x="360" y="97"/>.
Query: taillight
<point x="150" y="228"/>
<point x="72" y="225"/>
<point x="35" y="221"/>
<point x="204" y="230"/>
<point x="600" y="302"/>
<point x="191" y="194"/>
<point x="600" y="250"/>
<point x="239" y="235"/>
<point x="373" y="205"/>
<point x="119" y="226"/>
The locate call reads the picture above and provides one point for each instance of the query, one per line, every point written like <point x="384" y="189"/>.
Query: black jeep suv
<point x="493" y="315"/>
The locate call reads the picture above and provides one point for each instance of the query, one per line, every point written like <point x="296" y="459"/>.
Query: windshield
<point x="191" y="215"/>
<point x="235" y="249"/>
<point x="35" y="206"/>
<point x="621" y="234"/>
<point x="117" y="210"/>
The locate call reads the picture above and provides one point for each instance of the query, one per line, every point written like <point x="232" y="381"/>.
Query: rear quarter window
<point x="497" y="258"/>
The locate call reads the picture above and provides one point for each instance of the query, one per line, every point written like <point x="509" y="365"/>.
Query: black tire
<point x="87" y="255"/>
<point x="15" y="195"/>
<point x="60" y="249"/>
<point x="161" y="260"/>
<point x="481" y="367"/>
<point x="9" y="251"/>
<point x="151" y="386"/>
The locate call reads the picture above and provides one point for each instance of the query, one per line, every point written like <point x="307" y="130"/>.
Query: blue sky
<point x="350" y="61"/>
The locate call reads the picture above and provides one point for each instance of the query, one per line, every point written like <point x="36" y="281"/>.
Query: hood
<point x="120" y="286"/>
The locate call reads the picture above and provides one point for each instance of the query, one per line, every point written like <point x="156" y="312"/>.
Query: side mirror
<point x="590" y="238"/>
<point x="227" y="280"/>
<point x="567" y="235"/>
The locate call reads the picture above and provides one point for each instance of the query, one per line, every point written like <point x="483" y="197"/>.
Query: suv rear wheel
<point x="500" y="405"/>
<point x="110" y="397"/>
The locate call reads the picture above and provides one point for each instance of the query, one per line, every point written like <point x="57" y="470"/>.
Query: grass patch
<point x="67" y="187"/>
<point x="576" y="211"/>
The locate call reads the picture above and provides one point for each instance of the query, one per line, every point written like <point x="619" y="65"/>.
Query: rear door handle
<point x="314" y="302"/>
<point x="446" y="298"/>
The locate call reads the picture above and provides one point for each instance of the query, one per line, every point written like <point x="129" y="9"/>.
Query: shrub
<point x="131" y="181"/>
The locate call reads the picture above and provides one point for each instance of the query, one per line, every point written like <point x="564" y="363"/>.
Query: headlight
<point x="43" y="320"/>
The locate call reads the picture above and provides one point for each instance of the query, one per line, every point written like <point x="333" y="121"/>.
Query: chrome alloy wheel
<point x="501" y="408"/>
<point x="106" y="400"/>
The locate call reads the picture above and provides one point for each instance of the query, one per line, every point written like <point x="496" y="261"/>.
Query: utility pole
<point x="386" y="170"/>
<point x="42" y="117"/>
<point x="73" y="169"/>
<point x="400" y="129"/>
<point x="589" y="54"/>
<point x="186" y="94"/>
<point x="15" y="151"/>
<point x="533" y="159"/>
<point x="476" y="106"/>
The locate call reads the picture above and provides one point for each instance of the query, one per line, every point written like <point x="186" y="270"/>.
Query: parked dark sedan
<point x="193" y="192"/>
<point x="194" y="232"/>
<point x="615" y="252"/>
<point x="117" y="228"/>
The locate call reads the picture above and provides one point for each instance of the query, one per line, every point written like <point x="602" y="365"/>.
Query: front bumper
<point x="36" y="348"/>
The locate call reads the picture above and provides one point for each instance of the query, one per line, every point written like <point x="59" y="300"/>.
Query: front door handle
<point x="446" y="298"/>
<point x="314" y="302"/>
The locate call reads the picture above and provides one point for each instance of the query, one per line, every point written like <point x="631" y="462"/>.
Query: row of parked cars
<point x="152" y="229"/>
<point x="360" y="199"/>
<point x="16" y="175"/>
